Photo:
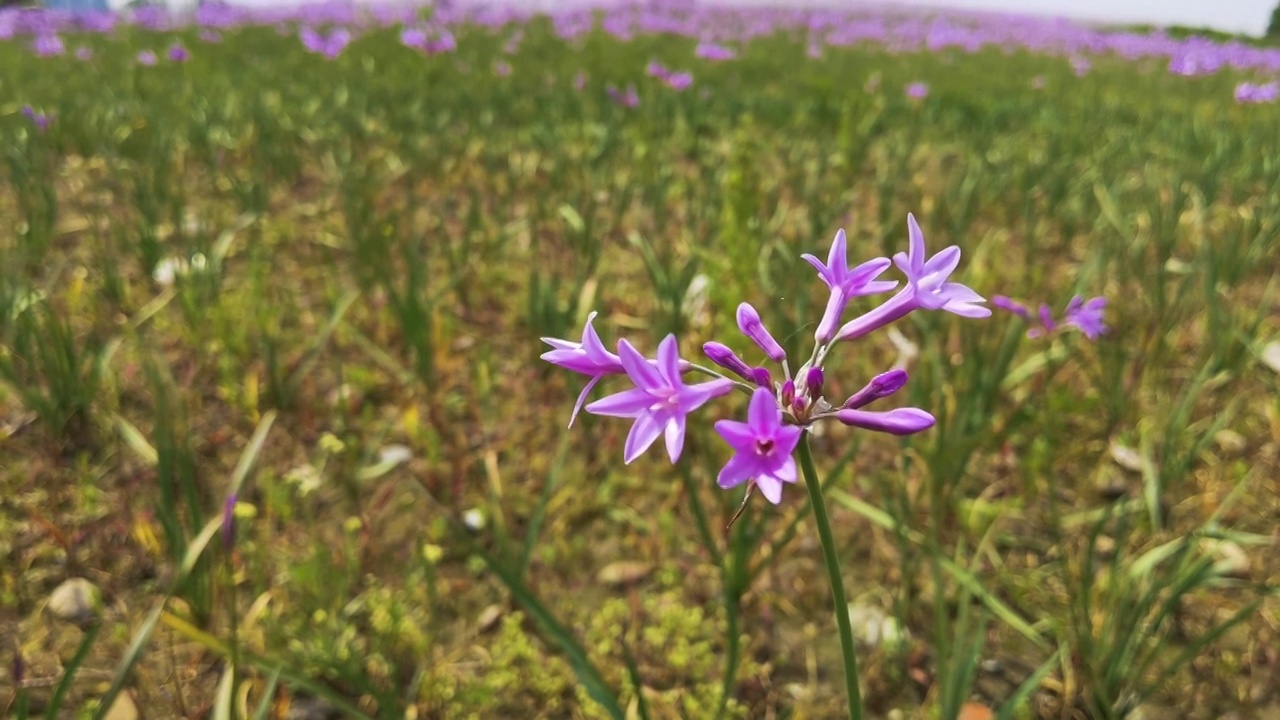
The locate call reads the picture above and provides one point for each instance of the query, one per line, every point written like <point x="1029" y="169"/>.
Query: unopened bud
<point x="788" y="393"/>
<point x="727" y="359"/>
<point x="813" y="383"/>
<point x="750" y="325"/>
<point x="882" y="385"/>
<point x="760" y="376"/>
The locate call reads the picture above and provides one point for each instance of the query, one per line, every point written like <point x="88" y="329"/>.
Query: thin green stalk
<point x="833" y="576"/>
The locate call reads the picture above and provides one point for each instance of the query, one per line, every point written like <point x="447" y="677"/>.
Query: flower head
<point x="630" y="98"/>
<point x="917" y="91"/>
<point x="178" y="53"/>
<point x="147" y="57"/>
<point x="659" y="402"/>
<point x="1086" y="316"/>
<point x="845" y="283"/>
<point x="762" y="446"/>
<point x="587" y="357"/>
<point x="928" y="277"/>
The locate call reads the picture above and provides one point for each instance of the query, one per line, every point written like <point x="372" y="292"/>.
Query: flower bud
<point x="788" y="393"/>
<point x="903" y="421"/>
<point x="727" y="359"/>
<point x="882" y="385"/>
<point x="750" y="325"/>
<point x="760" y="376"/>
<point x="813" y="383"/>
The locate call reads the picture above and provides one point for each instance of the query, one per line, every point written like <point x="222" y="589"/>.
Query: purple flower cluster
<point x="678" y="81"/>
<point x="714" y="52"/>
<point x="1249" y="93"/>
<point x="432" y="41"/>
<point x="330" y="46"/>
<point x="779" y="411"/>
<point x="1083" y="315"/>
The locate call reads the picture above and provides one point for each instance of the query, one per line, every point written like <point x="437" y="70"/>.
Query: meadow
<point x="278" y="440"/>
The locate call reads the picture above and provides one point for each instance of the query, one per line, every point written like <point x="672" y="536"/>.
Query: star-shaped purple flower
<point x="845" y="283"/>
<point x="588" y="357"/>
<point x="928" y="277"/>
<point x="762" y="445"/>
<point x="659" y="402"/>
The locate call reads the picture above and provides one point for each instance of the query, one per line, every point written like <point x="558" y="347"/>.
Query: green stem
<point x="833" y="576"/>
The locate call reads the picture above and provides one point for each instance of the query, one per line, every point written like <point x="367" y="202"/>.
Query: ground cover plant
<point x="279" y="436"/>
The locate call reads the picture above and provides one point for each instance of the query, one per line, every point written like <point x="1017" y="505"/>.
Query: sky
<point x="1246" y="16"/>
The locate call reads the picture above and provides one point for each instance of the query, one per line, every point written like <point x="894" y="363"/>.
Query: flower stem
<point x="833" y="577"/>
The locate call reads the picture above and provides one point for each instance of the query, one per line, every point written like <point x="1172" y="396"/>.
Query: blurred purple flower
<point x="210" y="36"/>
<point x="39" y="119"/>
<point x="502" y="68"/>
<point x="579" y="81"/>
<point x="630" y="98"/>
<point x="331" y="46"/>
<point x="679" y="81"/>
<point x="435" y="42"/>
<point x="178" y="53"/>
<point x="917" y="90"/>
<point x="1247" y="93"/>
<point x="1085" y="316"/>
<point x="762" y="446"/>
<point x="713" y="52"/>
<point x="146" y="57"/>
<point x="48" y="45"/>
<point x="1080" y="65"/>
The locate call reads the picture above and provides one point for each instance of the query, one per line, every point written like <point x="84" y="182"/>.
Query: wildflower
<point x="724" y="357"/>
<point x="501" y="68"/>
<point x="331" y="46"/>
<point x="579" y="81"/>
<point x="147" y="57"/>
<point x="927" y="288"/>
<point x="48" y="45"/>
<point x="751" y="326"/>
<point x="660" y="402"/>
<point x="713" y="52"/>
<point x="1085" y="316"/>
<point x="902" y="421"/>
<point x="1080" y="65"/>
<point x="588" y="357"/>
<point x="845" y="283"/>
<point x="178" y="53"/>
<point x="763" y="448"/>
<point x="210" y="36"/>
<point x="628" y="99"/>
<point x="39" y="119"/>
<point x="1261" y="93"/>
<point x="881" y="386"/>
<point x="917" y="91"/>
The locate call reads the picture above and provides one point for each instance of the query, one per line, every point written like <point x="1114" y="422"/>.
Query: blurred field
<point x="354" y="257"/>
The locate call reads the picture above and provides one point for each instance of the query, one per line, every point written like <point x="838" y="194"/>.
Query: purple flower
<point x="502" y="68"/>
<point x="588" y="357"/>
<point x="713" y="52"/>
<point x="1251" y="93"/>
<point x="628" y="99"/>
<point x="845" y="283"/>
<point x="660" y="401"/>
<point x="678" y="81"/>
<point x="917" y="90"/>
<point x="84" y="53"/>
<point x="39" y="119"/>
<point x="178" y="53"/>
<point x="762" y="446"/>
<point x="579" y="81"/>
<point x="331" y="46"/>
<point x="903" y="421"/>
<point x="655" y="69"/>
<point x="147" y="57"/>
<point x="48" y="45"/>
<point x="927" y="288"/>
<point x="1086" y="316"/>
<point x="751" y="326"/>
<point x="1080" y="65"/>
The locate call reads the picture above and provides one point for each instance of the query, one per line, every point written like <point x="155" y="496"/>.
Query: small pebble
<point x="76" y="601"/>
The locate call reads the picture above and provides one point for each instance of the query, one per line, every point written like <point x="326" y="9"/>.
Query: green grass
<point x="369" y="249"/>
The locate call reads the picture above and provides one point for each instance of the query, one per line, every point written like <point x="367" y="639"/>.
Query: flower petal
<point x="582" y="396"/>
<point x="628" y="403"/>
<point x="643" y="433"/>
<point x="771" y="488"/>
<point x="674" y="431"/>
<point x="737" y="434"/>
<point x="644" y="375"/>
<point x="738" y="470"/>
<point x="837" y="259"/>
<point x="763" y="415"/>
<point x="669" y="361"/>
